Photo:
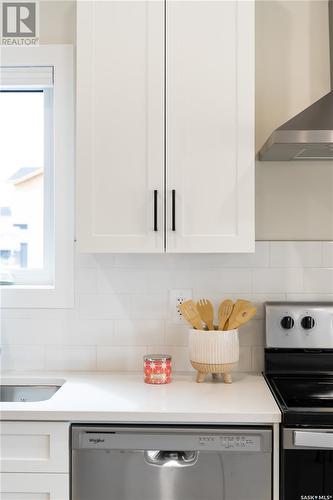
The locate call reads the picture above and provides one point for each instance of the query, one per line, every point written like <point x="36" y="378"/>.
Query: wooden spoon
<point x="191" y="314"/>
<point x="240" y="303"/>
<point x="244" y="315"/>
<point x="225" y="310"/>
<point x="206" y="311"/>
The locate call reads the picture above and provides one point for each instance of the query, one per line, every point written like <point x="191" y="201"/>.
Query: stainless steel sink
<point x="27" y="393"/>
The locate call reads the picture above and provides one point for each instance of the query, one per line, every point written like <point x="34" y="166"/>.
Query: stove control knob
<point x="308" y="322"/>
<point x="287" y="322"/>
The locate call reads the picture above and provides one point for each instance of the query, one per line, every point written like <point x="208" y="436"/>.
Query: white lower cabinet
<point x="34" y="447"/>
<point x="34" y="486"/>
<point x="34" y="461"/>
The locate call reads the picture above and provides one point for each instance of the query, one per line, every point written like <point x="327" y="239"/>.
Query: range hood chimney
<point x="309" y="135"/>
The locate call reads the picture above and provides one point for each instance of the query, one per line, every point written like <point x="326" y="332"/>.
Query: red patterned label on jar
<point x="157" y="371"/>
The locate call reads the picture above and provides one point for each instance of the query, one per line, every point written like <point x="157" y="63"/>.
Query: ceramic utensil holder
<point x="215" y="352"/>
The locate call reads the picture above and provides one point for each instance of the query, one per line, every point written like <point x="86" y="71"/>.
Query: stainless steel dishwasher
<point x="165" y="463"/>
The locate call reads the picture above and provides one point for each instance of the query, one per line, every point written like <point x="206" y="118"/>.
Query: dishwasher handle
<point x="166" y="458"/>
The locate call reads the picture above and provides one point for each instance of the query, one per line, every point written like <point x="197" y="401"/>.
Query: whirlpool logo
<point x="20" y="23"/>
<point x="96" y="440"/>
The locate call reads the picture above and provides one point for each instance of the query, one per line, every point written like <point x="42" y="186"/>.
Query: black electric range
<point x="303" y="393"/>
<point x="299" y="372"/>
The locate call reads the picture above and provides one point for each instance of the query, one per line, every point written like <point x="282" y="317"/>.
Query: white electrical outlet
<point x="176" y="298"/>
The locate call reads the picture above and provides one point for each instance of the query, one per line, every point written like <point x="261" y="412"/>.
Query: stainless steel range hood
<point x="309" y="135"/>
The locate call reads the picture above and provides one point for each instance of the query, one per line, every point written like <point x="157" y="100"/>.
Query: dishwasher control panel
<point x="227" y="441"/>
<point x="230" y="443"/>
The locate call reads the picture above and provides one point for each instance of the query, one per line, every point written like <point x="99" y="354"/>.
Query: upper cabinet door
<point x="210" y="126"/>
<point x="120" y="117"/>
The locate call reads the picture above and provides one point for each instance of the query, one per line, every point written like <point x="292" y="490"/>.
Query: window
<point x="26" y="177"/>
<point x="36" y="176"/>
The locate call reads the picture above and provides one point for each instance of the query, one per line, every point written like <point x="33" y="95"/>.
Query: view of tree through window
<point x="21" y="181"/>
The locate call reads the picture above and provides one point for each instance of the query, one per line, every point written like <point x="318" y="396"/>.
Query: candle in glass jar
<point x="157" y="368"/>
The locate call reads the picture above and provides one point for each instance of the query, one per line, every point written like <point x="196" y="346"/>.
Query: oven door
<point x="307" y="464"/>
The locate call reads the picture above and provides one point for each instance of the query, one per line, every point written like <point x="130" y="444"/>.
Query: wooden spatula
<point x="243" y="316"/>
<point x="191" y="314"/>
<point x="206" y="311"/>
<point x="225" y="310"/>
<point x="239" y="304"/>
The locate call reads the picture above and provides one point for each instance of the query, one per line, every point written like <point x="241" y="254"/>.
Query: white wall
<point x="122" y="306"/>
<point x="292" y="60"/>
<point x="293" y="200"/>
<point x="57" y="21"/>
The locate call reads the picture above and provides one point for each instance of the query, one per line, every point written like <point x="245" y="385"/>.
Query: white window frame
<point x="61" y="293"/>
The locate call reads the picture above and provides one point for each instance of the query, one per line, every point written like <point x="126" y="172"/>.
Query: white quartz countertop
<point x="124" y="398"/>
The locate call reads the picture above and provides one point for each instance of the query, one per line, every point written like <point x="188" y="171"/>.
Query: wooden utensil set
<point x="230" y="315"/>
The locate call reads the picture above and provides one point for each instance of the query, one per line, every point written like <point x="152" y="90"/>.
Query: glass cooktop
<point x="304" y="392"/>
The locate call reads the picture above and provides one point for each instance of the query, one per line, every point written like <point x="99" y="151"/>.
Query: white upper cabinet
<point x="120" y="123"/>
<point x="165" y="121"/>
<point x="210" y="126"/>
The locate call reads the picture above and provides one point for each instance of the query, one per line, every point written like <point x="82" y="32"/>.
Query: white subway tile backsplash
<point x="252" y="333"/>
<point x="12" y="313"/>
<point x="54" y="314"/>
<point x="142" y="261"/>
<point x="122" y="281"/>
<point x="257" y="357"/>
<point x="318" y="280"/>
<point x="88" y="332"/>
<point x="176" y="334"/>
<point x="296" y="253"/>
<point x="223" y="280"/>
<point x="31" y="331"/>
<point x="260" y="258"/>
<point x="149" y="306"/>
<point x="103" y="306"/>
<point x="104" y="260"/>
<point x="245" y="360"/>
<point x="85" y="260"/>
<point x="70" y="358"/>
<point x="138" y="332"/>
<point x="167" y="279"/>
<point x="22" y="357"/>
<point x="327" y="253"/>
<point x="120" y="358"/>
<point x="86" y="280"/>
<point x="122" y="308"/>
<point x="309" y="297"/>
<point x="278" y="280"/>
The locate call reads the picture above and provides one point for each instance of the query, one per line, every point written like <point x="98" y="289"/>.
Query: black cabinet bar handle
<point x="155" y="210"/>
<point x="173" y="213"/>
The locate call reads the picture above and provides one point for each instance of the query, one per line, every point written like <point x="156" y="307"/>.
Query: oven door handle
<point x="307" y="439"/>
